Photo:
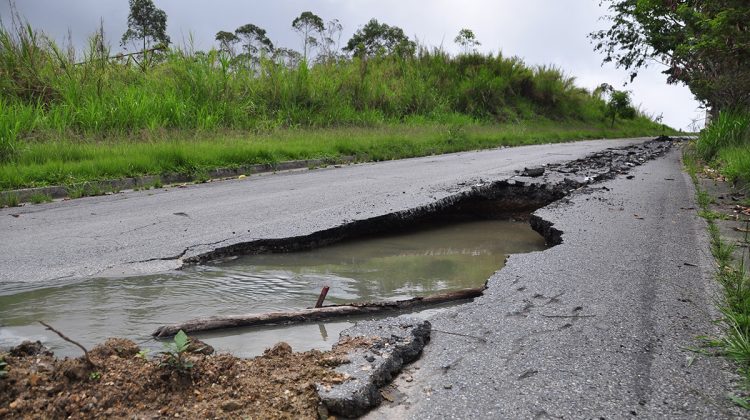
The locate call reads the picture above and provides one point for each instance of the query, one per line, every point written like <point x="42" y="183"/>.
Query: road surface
<point x="598" y="326"/>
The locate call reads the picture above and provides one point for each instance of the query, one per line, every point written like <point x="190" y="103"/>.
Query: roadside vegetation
<point x="70" y="116"/>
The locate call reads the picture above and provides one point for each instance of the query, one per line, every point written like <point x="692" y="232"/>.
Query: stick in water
<point x="64" y="337"/>
<point x="322" y="297"/>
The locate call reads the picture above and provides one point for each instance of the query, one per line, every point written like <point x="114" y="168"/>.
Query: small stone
<point x="448" y="386"/>
<point x="231" y="405"/>
<point x="533" y="172"/>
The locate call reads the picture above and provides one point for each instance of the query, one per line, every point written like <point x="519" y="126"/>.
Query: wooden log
<point x="313" y="314"/>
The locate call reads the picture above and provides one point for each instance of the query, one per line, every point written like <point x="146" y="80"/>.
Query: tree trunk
<point x="314" y="314"/>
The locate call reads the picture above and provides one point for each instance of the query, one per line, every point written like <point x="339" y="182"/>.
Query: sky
<point x="551" y="32"/>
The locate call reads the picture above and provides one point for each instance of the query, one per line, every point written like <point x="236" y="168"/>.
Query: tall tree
<point x="380" y="38"/>
<point x="467" y="40"/>
<point x="147" y="25"/>
<point x="703" y="44"/>
<point x="330" y="41"/>
<point x="254" y="40"/>
<point x="306" y="25"/>
<point x="227" y="40"/>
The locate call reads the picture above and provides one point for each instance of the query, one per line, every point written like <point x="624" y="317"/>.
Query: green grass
<point x="38" y="198"/>
<point x="9" y="200"/>
<point x="65" y="122"/>
<point x="725" y="144"/>
<point x="69" y="162"/>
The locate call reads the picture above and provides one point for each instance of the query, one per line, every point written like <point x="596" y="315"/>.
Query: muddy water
<point x="386" y="267"/>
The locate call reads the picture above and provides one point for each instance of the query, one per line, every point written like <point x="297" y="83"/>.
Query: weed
<point x="38" y="198"/>
<point x="200" y="176"/>
<point x="710" y="214"/>
<point x="76" y="190"/>
<point x="740" y="401"/>
<point x="704" y="199"/>
<point x="143" y="354"/>
<point x="9" y="200"/>
<point x="174" y="356"/>
<point x="95" y="376"/>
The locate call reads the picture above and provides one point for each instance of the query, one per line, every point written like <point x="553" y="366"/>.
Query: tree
<point x="329" y="41"/>
<point x="307" y="24"/>
<point x="704" y="45"/>
<point x="147" y="25"/>
<point x="379" y="38"/>
<point x="227" y="40"/>
<point x="619" y="103"/>
<point x="467" y="40"/>
<point x="255" y="40"/>
<point x="287" y="57"/>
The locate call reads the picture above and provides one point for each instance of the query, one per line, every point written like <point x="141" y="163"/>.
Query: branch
<point x="69" y="340"/>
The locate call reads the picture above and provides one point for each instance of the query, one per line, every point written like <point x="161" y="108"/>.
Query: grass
<point x="69" y="162"/>
<point x="38" y="198"/>
<point x="732" y="276"/>
<point x="73" y="118"/>
<point x="9" y="200"/>
<point x="725" y="144"/>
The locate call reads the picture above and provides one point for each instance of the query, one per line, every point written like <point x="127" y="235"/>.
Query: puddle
<point x="396" y="266"/>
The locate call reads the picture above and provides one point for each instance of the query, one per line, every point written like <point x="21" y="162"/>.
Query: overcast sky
<point x="539" y="31"/>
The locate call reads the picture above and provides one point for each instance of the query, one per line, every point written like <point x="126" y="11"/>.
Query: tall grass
<point x="726" y="144"/>
<point x="56" y="108"/>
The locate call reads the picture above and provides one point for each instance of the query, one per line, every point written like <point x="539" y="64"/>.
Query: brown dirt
<point x="124" y="384"/>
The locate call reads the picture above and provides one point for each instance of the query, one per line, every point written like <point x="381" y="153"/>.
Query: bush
<point x="730" y="129"/>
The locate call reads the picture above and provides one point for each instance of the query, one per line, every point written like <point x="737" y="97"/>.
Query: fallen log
<point x="313" y="314"/>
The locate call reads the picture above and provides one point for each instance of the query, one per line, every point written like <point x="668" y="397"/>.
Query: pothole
<point x="220" y="282"/>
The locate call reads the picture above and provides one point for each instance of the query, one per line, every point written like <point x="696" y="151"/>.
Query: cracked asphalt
<point x="600" y="326"/>
<point x="149" y="231"/>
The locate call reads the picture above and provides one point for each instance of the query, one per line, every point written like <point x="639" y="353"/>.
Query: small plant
<point x="143" y="354"/>
<point x="201" y="176"/>
<point x="9" y="200"/>
<point x="174" y="356"/>
<point x="39" y="198"/>
<point x="76" y="190"/>
<point x="95" y="376"/>
<point x="3" y="368"/>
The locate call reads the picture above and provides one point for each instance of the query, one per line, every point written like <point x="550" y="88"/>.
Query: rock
<point x="30" y="348"/>
<point x="231" y="405"/>
<point x="199" y="347"/>
<point x="279" y="350"/>
<point x="118" y="347"/>
<point x="397" y="341"/>
<point x="533" y="172"/>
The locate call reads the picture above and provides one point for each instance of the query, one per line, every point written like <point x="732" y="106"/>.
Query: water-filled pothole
<point x="384" y="267"/>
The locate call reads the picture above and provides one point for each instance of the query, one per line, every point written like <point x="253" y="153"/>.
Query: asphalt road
<point x="600" y="326"/>
<point x="150" y="231"/>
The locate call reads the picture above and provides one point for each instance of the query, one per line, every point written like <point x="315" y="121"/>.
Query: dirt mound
<point x="125" y="383"/>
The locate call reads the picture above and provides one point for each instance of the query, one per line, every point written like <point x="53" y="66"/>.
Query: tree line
<point x="147" y="30"/>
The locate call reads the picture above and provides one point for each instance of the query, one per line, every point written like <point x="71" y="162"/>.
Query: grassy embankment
<point x="64" y="123"/>
<point x="725" y="146"/>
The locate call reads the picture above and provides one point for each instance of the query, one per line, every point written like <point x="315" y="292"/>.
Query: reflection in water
<point x="388" y="267"/>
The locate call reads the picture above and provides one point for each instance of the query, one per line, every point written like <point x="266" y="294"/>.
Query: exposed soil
<point x="124" y="384"/>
